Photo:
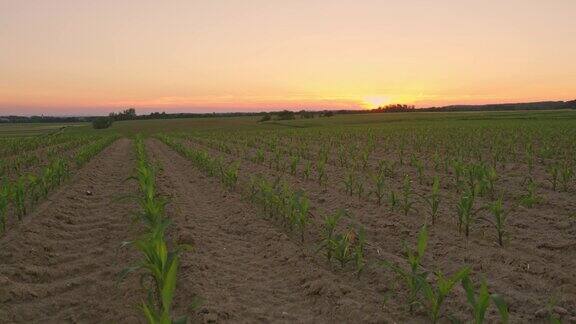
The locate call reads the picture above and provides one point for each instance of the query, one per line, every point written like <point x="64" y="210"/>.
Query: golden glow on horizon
<point x="71" y="57"/>
<point x="372" y="102"/>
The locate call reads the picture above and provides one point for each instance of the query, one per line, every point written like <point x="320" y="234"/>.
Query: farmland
<point x="401" y="217"/>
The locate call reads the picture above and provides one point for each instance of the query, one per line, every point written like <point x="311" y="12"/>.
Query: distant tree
<point x="327" y="113"/>
<point x="306" y="114"/>
<point x="127" y="114"/>
<point x="265" y="117"/>
<point x="395" y="108"/>
<point x="286" y="115"/>
<point x="102" y="122"/>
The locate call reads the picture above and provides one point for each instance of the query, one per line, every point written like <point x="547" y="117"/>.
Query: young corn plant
<point x="499" y="218"/>
<point x="34" y="188"/>
<point x="481" y="301"/>
<point x="459" y="168"/>
<point x="566" y="175"/>
<point x="230" y="175"/>
<point x="530" y="198"/>
<point x="433" y="199"/>
<point x="301" y="208"/>
<point x="553" y="171"/>
<point x="393" y="200"/>
<point x="294" y="161"/>
<point x="379" y="187"/>
<point x="349" y="183"/>
<point x="19" y="197"/>
<point x="4" y="201"/>
<point x="328" y="232"/>
<point x="161" y="268"/>
<point x="415" y="276"/>
<point x="419" y="165"/>
<point x="341" y="248"/>
<point x="307" y="170"/>
<point x="466" y="212"/>
<point x="359" y="189"/>
<point x="435" y="295"/>
<point x="407" y="202"/>
<point x="321" y="170"/>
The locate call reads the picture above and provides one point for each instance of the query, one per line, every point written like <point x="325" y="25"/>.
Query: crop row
<point x="21" y="162"/>
<point x="18" y="196"/>
<point x="159" y="263"/>
<point x="18" y="145"/>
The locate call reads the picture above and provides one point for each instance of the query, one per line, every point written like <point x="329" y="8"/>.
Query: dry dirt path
<point x="61" y="264"/>
<point x="244" y="267"/>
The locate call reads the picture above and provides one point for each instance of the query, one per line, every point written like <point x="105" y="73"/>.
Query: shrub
<point x="102" y="122"/>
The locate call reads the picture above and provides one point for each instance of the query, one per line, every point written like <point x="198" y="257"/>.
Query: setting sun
<point x="372" y="102"/>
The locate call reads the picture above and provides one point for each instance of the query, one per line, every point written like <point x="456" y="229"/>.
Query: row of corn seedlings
<point x="27" y="190"/>
<point x="160" y="262"/>
<point x="19" y="145"/>
<point x="21" y="162"/>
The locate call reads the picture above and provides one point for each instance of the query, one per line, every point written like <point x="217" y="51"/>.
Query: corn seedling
<point x="481" y="301"/>
<point x="230" y="175"/>
<point x="161" y="268"/>
<point x="419" y="165"/>
<point x="341" y="246"/>
<point x="329" y="228"/>
<point x="500" y="217"/>
<point x="259" y="156"/>
<point x="433" y="200"/>
<point x="415" y="276"/>
<point x="553" y="174"/>
<point x="19" y="197"/>
<point x="393" y="199"/>
<point x="34" y="188"/>
<point x="435" y="295"/>
<point x="466" y="212"/>
<point x="379" y="187"/>
<point x="349" y="183"/>
<point x="294" y="161"/>
<point x="321" y="170"/>
<point x="531" y="198"/>
<point x="407" y="203"/>
<point x="4" y="201"/>
<point x="458" y="167"/>
<point x="566" y="175"/>
<point x="359" y="189"/>
<point x="301" y="206"/>
<point x="307" y="170"/>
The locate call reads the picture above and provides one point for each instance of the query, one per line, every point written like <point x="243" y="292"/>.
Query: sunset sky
<point x="74" y="57"/>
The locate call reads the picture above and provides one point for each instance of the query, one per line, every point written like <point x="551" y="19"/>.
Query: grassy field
<point x="150" y="127"/>
<point x="37" y="129"/>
